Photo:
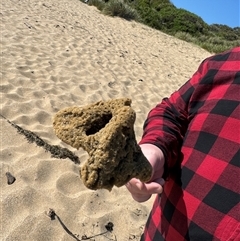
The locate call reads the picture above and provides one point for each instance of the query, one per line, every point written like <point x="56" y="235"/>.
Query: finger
<point x="141" y="198"/>
<point x="134" y="181"/>
<point x="160" y="181"/>
<point x="143" y="191"/>
<point x="135" y="187"/>
<point x="150" y="188"/>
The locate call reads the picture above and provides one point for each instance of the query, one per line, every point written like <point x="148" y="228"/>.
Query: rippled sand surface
<point x="56" y="54"/>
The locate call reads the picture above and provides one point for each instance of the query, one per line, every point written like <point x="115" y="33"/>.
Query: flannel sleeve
<point x="167" y="123"/>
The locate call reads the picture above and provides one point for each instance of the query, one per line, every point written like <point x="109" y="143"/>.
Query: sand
<point x="56" y="54"/>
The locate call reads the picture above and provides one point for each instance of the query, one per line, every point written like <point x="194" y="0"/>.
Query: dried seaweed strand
<point x="56" y="151"/>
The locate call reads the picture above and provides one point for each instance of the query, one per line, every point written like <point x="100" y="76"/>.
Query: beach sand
<point x="57" y="54"/>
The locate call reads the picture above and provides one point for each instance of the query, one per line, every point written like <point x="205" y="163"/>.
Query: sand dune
<point x="57" y="54"/>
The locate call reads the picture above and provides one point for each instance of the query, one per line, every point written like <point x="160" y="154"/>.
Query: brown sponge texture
<point x="106" y="131"/>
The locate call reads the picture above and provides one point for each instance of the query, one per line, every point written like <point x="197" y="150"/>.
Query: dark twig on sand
<point x="56" y="151"/>
<point x="52" y="214"/>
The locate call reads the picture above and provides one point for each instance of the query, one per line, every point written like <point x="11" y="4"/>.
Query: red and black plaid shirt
<point x="198" y="130"/>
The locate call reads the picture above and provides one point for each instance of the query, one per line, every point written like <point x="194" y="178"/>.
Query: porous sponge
<point x="105" y="130"/>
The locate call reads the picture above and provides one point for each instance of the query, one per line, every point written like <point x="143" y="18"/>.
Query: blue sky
<point x="213" y="11"/>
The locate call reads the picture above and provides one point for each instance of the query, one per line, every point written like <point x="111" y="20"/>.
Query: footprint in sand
<point x="69" y="184"/>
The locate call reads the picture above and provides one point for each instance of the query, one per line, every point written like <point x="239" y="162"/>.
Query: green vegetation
<point x="120" y="9"/>
<point x="99" y="4"/>
<point x="164" y="16"/>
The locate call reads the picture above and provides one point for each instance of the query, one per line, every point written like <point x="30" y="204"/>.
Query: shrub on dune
<point x="99" y="4"/>
<point x="120" y="9"/>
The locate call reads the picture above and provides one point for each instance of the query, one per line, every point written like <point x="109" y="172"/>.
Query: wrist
<point x="155" y="157"/>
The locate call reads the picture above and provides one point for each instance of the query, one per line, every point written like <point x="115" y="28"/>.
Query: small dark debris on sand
<point x="10" y="178"/>
<point x="52" y="214"/>
<point x="56" y="151"/>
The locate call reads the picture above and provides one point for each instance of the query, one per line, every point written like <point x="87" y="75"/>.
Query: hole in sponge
<point x="99" y="123"/>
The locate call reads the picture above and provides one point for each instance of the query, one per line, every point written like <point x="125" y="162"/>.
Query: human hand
<point x="140" y="191"/>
